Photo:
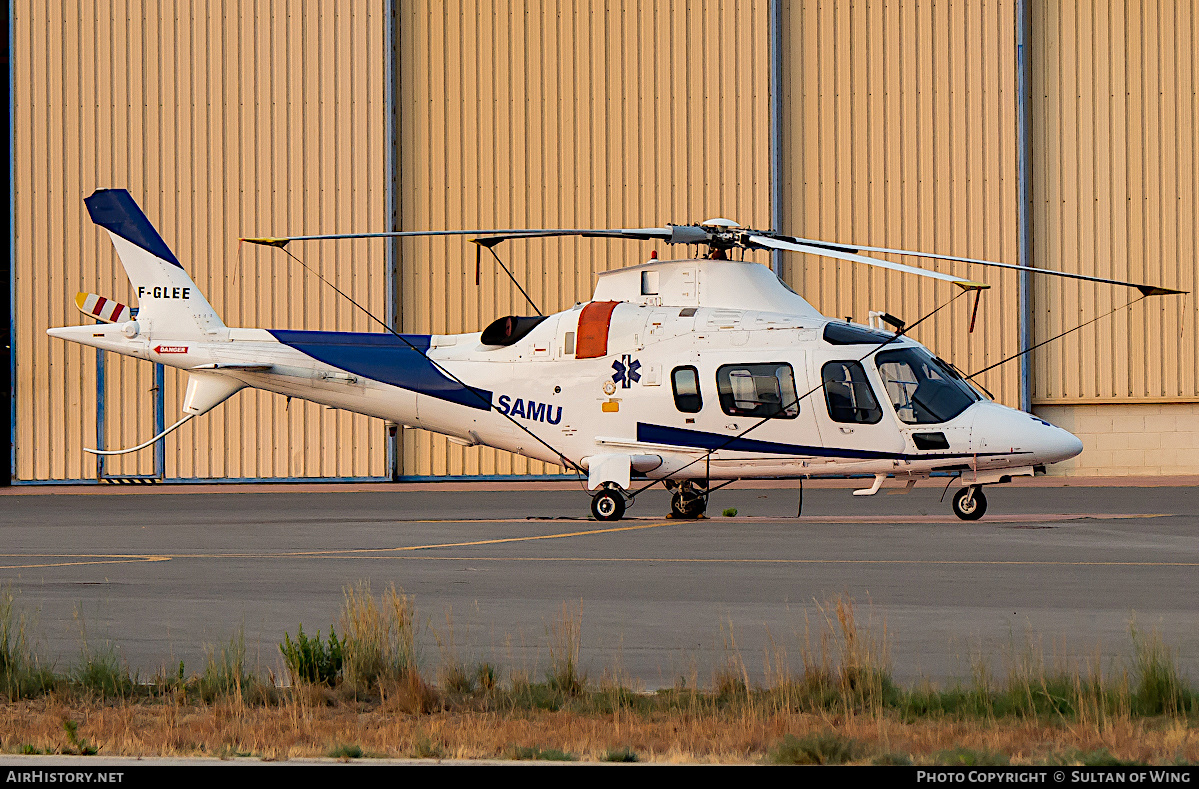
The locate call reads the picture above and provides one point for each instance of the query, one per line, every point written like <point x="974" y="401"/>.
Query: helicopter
<point x="686" y="372"/>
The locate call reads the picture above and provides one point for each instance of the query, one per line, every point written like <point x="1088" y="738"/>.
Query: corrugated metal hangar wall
<point x="898" y="127"/>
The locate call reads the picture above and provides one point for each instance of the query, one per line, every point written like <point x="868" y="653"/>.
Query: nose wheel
<point x="969" y="503"/>
<point x="608" y="505"/>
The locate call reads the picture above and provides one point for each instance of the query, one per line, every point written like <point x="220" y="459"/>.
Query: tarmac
<point x="1062" y="569"/>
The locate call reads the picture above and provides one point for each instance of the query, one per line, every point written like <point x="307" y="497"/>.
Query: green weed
<point x="80" y="746"/>
<point x="346" y="752"/>
<point x="312" y="660"/>
<point x="825" y="747"/>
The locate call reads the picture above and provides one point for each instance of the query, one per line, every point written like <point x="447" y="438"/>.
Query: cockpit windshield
<point x="923" y="389"/>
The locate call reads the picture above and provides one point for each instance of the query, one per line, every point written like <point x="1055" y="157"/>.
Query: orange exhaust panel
<point x="593" y="329"/>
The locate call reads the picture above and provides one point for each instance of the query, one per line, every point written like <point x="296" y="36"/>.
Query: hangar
<point x="1056" y="134"/>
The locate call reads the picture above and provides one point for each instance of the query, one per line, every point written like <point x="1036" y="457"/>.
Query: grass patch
<point x="311" y="660"/>
<point x="565" y="644"/>
<point x="78" y="745"/>
<point x="892" y="760"/>
<point x="427" y="749"/>
<point x="523" y="753"/>
<point x="21" y="674"/>
<point x="346" y="752"/>
<point x="227" y="677"/>
<point x="378" y="638"/>
<point x="730" y="512"/>
<point x="969" y="757"/>
<point x="1160" y="687"/>
<point x="839" y="703"/>
<point x="1103" y="758"/>
<point x="824" y="747"/>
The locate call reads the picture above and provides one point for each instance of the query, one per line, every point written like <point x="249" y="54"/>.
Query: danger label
<point x="171" y="349"/>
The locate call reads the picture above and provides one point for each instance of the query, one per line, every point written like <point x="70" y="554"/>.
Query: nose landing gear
<point x="969" y="503"/>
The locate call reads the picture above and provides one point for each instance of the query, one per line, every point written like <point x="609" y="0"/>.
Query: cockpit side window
<point x="848" y="395"/>
<point x="758" y="390"/>
<point x="686" y="390"/>
<point x="924" y="390"/>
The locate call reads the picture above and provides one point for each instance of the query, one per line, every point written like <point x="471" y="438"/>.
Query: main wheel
<point x="969" y="504"/>
<point x="607" y="505"/>
<point x="687" y="507"/>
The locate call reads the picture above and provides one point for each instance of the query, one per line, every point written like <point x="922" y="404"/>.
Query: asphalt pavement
<point x="160" y="575"/>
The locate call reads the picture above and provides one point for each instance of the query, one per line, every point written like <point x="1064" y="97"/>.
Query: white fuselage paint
<point x="569" y="394"/>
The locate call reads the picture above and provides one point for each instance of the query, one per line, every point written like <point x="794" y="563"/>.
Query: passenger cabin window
<point x="848" y="394"/>
<point x="923" y="389"/>
<point x="686" y="390"/>
<point x="758" y="390"/>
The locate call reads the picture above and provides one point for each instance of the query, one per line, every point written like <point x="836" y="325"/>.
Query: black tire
<point x="688" y="507"/>
<point x="607" y="505"/>
<point x="969" y="507"/>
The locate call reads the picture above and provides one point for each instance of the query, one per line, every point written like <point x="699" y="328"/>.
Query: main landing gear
<point x="608" y="504"/>
<point x="688" y="501"/>
<point x="969" y="503"/>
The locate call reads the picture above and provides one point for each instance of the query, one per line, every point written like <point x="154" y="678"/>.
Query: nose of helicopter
<point x="997" y="428"/>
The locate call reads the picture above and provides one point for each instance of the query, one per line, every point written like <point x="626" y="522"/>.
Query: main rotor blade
<point x="487" y="238"/>
<point x="283" y="241"/>
<point x="495" y="237"/>
<point x="1148" y="290"/>
<point x="842" y="253"/>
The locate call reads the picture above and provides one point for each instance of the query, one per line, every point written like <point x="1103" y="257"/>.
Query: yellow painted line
<point x="964" y="562"/>
<point x="494" y="541"/>
<point x="91" y="559"/>
<point x="338" y="553"/>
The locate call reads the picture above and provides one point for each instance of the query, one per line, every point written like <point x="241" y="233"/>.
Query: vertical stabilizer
<point x="170" y="304"/>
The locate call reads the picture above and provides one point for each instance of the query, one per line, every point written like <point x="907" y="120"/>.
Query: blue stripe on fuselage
<point x="385" y="358"/>
<point x="682" y="437"/>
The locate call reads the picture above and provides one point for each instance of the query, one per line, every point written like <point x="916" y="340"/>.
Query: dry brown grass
<point x="841" y="699"/>
<point x="295" y="730"/>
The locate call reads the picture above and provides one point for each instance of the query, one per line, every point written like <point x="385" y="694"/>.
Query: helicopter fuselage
<point x="680" y="392"/>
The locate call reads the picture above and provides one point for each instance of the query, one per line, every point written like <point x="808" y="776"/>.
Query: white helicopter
<point x="680" y="371"/>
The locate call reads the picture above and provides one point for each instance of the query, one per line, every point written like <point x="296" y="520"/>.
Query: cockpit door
<point x="850" y="406"/>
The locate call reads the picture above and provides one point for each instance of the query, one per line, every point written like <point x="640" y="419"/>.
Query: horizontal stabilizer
<point x="103" y="309"/>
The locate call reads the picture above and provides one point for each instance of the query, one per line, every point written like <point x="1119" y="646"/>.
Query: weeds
<point x="523" y="753"/>
<point x="564" y="675"/>
<point x="346" y="752"/>
<point x="21" y="674"/>
<point x="968" y="757"/>
<point x="99" y="671"/>
<point x="311" y="660"/>
<point x="1160" y="688"/>
<point x="427" y="749"/>
<point x="226" y="676"/>
<point x="841" y="705"/>
<point x="79" y="747"/>
<point x="825" y="747"/>
<point x="379" y="639"/>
